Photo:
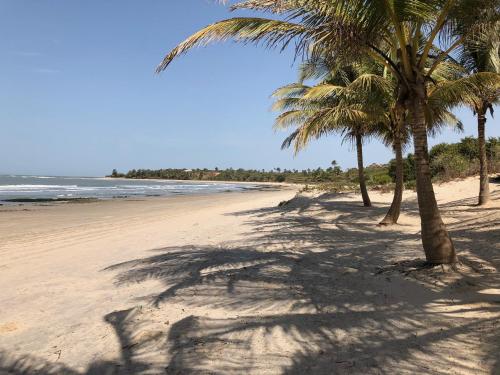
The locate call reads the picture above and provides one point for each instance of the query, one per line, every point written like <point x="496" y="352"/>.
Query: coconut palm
<point x="379" y="87"/>
<point x="395" y="134"/>
<point x="357" y="134"/>
<point x="337" y="105"/>
<point x="402" y="35"/>
<point x="483" y="56"/>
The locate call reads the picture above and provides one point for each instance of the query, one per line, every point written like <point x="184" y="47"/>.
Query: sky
<point x="79" y="95"/>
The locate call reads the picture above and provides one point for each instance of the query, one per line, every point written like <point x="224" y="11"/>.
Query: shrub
<point x="408" y="168"/>
<point x="382" y="179"/>
<point x="449" y="165"/>
<point x="411" y="185"/>
<point x="439" y="149"/>
<point x="493" y="153"/>
<point x="469" y="148"/>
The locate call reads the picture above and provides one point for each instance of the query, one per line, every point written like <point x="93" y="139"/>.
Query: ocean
<point x="25" y="188"/>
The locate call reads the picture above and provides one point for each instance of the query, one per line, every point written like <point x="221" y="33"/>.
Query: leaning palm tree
<point x="402" y="35"/>
<point x="395" y="134"/>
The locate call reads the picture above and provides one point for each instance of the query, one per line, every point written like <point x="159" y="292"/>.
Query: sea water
<point x="48" y="187"/>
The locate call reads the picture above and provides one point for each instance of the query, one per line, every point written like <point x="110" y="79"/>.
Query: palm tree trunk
<point x="393" y="214"/>
<point x="361" y="172"/>
<point x="484" y="188"/>
<point x="437" y="244"/>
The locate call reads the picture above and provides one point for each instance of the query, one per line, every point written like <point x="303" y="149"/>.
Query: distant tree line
<point x="447" y="161"/>
<point x="230" y="174"/>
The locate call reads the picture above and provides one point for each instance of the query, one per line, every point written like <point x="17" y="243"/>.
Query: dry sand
<point x="230" y="283"/>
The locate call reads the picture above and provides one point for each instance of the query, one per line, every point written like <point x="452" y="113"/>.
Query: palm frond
<point x="291" y="90"/>
<point x="470" y="90"/>
<point x="246" y="30"/>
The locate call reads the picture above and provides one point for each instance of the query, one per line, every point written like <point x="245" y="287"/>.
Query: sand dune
<point x="233" y="284"/>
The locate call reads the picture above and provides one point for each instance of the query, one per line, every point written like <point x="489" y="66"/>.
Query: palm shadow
<point x="307" y="292"/>
<point x="308" y="298"/>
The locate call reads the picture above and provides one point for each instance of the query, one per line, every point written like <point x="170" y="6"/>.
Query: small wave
<point x="38" y="187"/>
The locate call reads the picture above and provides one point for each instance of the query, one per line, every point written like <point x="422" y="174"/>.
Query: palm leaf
<point x="247" y="30"/>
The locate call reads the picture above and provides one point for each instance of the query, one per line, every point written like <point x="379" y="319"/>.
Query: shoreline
<point x="127" y="206"/>
<point x="246" y="188"/>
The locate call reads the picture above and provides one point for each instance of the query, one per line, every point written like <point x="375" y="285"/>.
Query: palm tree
<point x="395" y="133"/>
<point x="483" y="56"/>
<point x="402" y="35"/>
<point x="341" y="103"/>
<point x="380" y="88"/>
<point x="358" y="133"/>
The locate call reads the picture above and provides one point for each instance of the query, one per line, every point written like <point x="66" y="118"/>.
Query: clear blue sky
<point x="79" y="95"/>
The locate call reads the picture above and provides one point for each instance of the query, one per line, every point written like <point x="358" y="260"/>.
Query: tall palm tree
<point x="402" y="35"/>
<point x="389" y="126"/>
<point x="336" y="105"/>
<point x="478" y="56"/>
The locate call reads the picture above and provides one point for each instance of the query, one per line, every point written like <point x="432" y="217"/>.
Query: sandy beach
<point x="231" y="283"/>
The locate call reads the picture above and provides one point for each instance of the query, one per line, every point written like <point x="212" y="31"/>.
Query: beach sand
<point x="230" y="283"/>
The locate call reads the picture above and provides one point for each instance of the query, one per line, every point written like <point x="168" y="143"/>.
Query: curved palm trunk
<point x="438" y="245"/>
<point x="395" y="209"/>
<point x="484" y="187"/>
<point x="361" y="172"/>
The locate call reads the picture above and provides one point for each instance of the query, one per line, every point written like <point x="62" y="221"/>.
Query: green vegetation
<point x="311" y="176"/>
<point x="447" y="161"/>
<point x="455" y="160"/>
<point x="462" y="159"/>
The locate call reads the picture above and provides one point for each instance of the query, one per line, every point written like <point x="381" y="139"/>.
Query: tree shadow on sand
<point x="309" y="291"/>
